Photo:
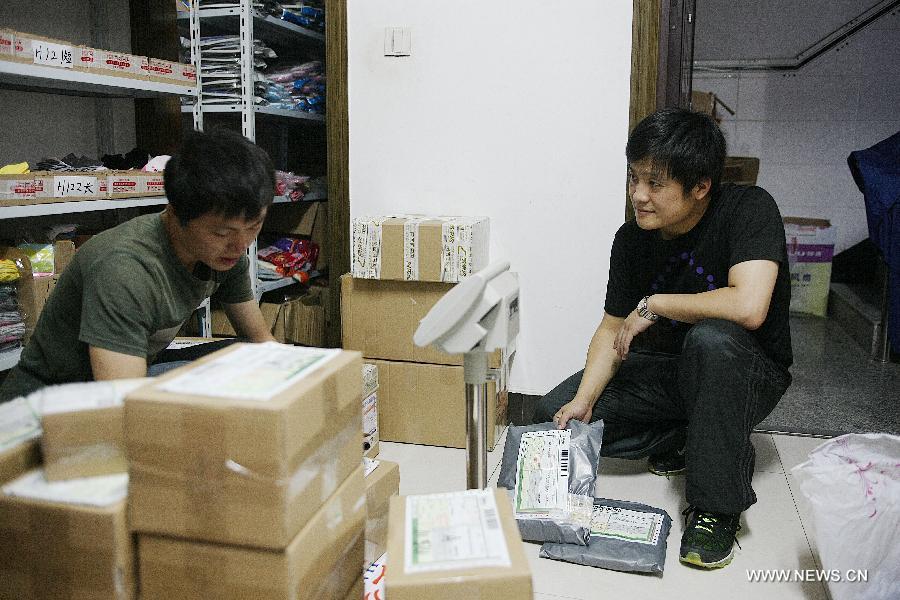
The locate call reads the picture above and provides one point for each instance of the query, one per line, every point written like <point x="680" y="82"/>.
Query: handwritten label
<point x="70" y="186"/>
<point x="52" y="55"/>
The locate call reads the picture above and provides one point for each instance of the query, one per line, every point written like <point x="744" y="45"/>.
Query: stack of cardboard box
<point x="370" y="411"/>
<point x="246" y="477"/>
<point x="382" y="484"/>
<point x="401" y="267"/>
<point x="65" y="539"/>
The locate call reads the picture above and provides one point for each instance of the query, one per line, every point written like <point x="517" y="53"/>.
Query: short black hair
<point x="687" y="146"/>
<point x="219" y="172"/>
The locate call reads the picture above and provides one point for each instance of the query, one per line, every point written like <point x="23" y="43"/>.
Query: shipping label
<point x="542" y="474"/>
<point x="252" y="372"/>
<point x="453" y="531"/>
<point x="624" y="524"/>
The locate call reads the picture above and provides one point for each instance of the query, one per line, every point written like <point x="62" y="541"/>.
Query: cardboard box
<point x="251" y="472"/>
<point x="370" y="425"/>
<point x="133" y="184"/>
<point x="297" y="321"/>
<point x="165" y="71"/>
<point x="293" y="218"/>
<point x="357" y="591"/>
<point x="84" y="442"/>
<point x="379" y="318"/>
<point x="23" y="46"/>
<point x="810" y="248"/>
<point x="426" y="404"/>
<point x="511" y="582"/>
<point x="382" y="484"/>
<point x="19" y="443"/>
<point x="419" y="248"/>
<point x="16" y="190"/>
<point x="62" y="550"/>
<point x="57" y="186"/>
<point x="120" y="64"/>
<point x="741" y="170"/>
<point x="323" y="561"/>
<point x="7" y="43"/>
<point x="63" y="253"/>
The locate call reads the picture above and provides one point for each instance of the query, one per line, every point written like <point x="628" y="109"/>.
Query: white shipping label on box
<point x="453" y="531"/>
<point x="52" y="55"/>
<point x="369" y="465"/>
<point x="624" y="524"/>
<point x="542" y="474"/>
<point x="88" y="491"/>
<point x="75" y="186"/>
<point x="18" y="423"/>
<point x="252" y="372"/>
<point x="370" y="414"/>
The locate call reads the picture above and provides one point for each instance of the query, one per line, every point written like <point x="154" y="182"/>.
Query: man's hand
<point x="576" y="409"/>
<point x="635" y="324"/>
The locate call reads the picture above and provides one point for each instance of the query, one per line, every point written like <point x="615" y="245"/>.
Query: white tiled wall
<point x="803" y="125"/>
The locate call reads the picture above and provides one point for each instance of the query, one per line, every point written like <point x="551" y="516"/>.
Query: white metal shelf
<point x="265" y="27"/>
<point x="309" y="197"/>
<point x="9" y="359"/>
<point x="275" y="284"/>
<point x="64" y="208"/>
<point x="259" y="110"/>
<point x="30" y="77"/>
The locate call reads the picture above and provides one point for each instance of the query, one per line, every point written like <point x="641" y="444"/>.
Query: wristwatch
<point x="644" y="311"/>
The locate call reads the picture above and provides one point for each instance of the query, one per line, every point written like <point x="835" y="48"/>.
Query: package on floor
<point x="370" y="410"/>
<point x="20" y="430"/>
<point x="323" y="561"/>
<point x="379" y="318"/>
<point x="65" y="540"/>
<point x="83" y="427"/>
<point x="298" y="320"/>
<point x="455" y="545"/>
<point x="243" y="446"/>
<point x="426" y="404"/>
<point x="810" y="248"/>
<point x="382" y="483"/>
<point x="419" y="248"/>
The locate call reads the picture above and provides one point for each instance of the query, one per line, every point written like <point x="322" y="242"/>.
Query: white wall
<point x="804" y="124"/>
<point x="514" y="110"/>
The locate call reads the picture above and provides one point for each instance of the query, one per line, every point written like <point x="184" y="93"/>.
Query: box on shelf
<point x="426" y="404"/>
<point x="382" y="483"/>
<point x="268" y="433"/>
<point x="132" y="184"/>
<point x="54" y="186"/>
<point x="740" y="170"/>
<point x="419" y="248"/>
<point x="7" y="43"/>
<point x="496" y="568"/>
<point x="810" y="248"/>
<point x="120" y="64"/>
<point x="322" y="562"/>
<point x="379" y="318"/>
<point x="297" y="321"/>
<point x="61" y="53"/>
<point x="17" y="190"/>
<point x="19" y="444"/>
<point x="165" y="71"/>
<point x="57" y="541"/>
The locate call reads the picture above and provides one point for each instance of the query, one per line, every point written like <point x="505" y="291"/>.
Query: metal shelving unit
<point x="65" y="208"/>
<point x="275" y="284"/>
<point x="264" y="111"/>
<point x="221" y="21"/>
<point x="38" y="78"/>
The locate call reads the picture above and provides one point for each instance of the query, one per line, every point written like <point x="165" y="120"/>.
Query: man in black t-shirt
<point x="694" y="346"/>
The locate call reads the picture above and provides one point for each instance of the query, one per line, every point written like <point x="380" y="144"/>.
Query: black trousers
<point x="708" y="398"/>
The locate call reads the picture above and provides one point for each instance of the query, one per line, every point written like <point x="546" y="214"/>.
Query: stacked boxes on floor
<point x="64" y="539"/>
<point x="246" y="477"/>
<point x="401" y="267"/>
<point x="382" y="483"/>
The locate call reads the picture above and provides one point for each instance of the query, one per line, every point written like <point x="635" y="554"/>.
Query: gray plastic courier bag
<point x="551" y="474"/>
<point x="625" y="536"/>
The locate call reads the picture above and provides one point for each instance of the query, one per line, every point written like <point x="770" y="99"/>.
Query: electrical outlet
<point x="397" y="41"/>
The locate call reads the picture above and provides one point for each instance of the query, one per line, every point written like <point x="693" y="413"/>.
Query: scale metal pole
<point x="475" y="369"/>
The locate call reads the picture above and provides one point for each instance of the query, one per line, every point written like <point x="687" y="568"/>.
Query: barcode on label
<point x="564" y="462"/>
<point x="490" y="518"/>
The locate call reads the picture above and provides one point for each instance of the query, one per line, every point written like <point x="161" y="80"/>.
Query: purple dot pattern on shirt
<point x="660" y="280"/>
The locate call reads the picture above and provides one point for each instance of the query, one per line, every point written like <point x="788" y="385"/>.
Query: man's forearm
<point x="725" y="303"/>
<point x="602" y="363"/>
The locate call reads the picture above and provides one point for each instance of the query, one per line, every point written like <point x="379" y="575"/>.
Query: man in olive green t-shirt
<point x="129" y="289"/>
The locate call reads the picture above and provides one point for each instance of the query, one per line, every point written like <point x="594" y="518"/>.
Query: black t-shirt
<point x="740" y="224"/>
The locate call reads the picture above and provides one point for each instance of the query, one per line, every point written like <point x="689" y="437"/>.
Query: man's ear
<point x="702" y="189"/>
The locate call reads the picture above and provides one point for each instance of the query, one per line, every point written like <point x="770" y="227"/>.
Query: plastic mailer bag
<point x="853" y="485"/>
<point x="551" y="475"/>
<point x="625" y="536"/>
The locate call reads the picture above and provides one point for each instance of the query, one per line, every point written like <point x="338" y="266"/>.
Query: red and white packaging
<point x="165" y="71"/>
<point x="154" y="184"/>
<point x="7" y="43"/>
<point x="120" y="63"/>
<point x="16" y="189"/>
<point x="125" y="184"/>
<point x="23" y="45"/>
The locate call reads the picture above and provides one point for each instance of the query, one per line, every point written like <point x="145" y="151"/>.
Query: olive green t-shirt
<point x="125" y="291"/>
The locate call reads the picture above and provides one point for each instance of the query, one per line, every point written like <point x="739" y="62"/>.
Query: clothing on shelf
<point x="15" y="169"/>
<point x="70" y="162"/>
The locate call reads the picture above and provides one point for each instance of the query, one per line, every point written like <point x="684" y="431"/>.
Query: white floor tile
<point x="767" y="459"/>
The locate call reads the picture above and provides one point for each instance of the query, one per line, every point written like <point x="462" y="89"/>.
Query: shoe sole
<point x="693" y="558"/>
<point x="662" y="473"/>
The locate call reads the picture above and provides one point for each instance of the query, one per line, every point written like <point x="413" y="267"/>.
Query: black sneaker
<point x="708" y="539"/>
<point x="669" y="463"/>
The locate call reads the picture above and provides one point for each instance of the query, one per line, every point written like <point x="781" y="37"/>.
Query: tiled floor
<point x="776" y="531"/>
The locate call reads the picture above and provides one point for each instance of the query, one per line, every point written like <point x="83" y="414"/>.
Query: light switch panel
<point x="397" y="41"/>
